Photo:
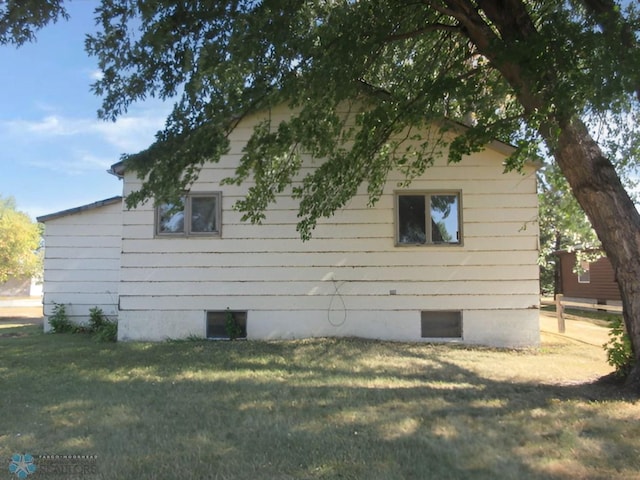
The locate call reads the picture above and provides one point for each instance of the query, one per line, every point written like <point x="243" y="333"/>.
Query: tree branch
<point x="429" y="28"/>
<point x="608" y="16"/>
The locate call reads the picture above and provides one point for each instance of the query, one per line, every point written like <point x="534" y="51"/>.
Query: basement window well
<point x="226" y="324"/>
<point x="441" y="324"/>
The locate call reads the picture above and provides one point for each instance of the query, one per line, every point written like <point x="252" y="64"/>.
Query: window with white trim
<point x="428" y="218"/>
<point x="199" y="215"/>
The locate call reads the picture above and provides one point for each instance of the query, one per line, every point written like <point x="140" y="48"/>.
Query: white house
<point x="452" y="257"/>
<point x="82" y="259"/>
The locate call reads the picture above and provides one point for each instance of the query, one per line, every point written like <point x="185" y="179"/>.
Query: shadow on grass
<point x="308" y="409"/>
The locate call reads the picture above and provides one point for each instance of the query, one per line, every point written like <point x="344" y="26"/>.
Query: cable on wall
<point x="335" y="298"/>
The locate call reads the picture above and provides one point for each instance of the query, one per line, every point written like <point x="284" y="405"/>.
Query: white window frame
<point x="187" y="208"/>
<point x="428" y="234"/>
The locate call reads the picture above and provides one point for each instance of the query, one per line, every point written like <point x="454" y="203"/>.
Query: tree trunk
<point x="613" y="215"/>
<point x="590" y="174"/>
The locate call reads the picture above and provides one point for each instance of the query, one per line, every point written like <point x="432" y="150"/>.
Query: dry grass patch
<point x="317" y="409"/>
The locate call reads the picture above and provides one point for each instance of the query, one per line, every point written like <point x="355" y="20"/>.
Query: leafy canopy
<point x="20" y="19"/>
<point x="510" y="70"/>
<point x="19" y="242"/>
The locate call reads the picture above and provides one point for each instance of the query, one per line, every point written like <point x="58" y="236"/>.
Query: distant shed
<point x="19" y="287"/>
<point x="597" y="283"/>
<point x="82" y="259"/>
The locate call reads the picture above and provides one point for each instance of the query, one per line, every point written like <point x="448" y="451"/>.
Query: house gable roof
<point x="82" y="208"/>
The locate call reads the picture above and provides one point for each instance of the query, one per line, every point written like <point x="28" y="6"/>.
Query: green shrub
<point x="96" y="319"/>
<point x="231" y="326"/>
<point x="618" y="348"/>
<point x="108" y="332"/>
<point x="102" y="328"/>
<point x="59" y="321"/>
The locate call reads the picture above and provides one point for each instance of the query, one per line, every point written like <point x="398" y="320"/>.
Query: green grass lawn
<point x="326" y="408"/>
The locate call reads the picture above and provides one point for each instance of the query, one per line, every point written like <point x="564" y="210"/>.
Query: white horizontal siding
<point x="82" y="218"/>
<point x="140" y="244"/>
<point x="61" y="276"/>
<point x="80" y="230"/>
<point x="299" y="303"/>
<point x="359" y="203"/>
<point x="88" y="286"/>
<point x="79" y="312"/>
<point x="150" y="263"/>
<point x="507" y="215"/>
<point x="474" y="227"/>
<point x="408" y="273"/>
<point x="93" y="242"/>
<point x="82" y="302"/>
<point x="82" y="261"/>
<point x="87" y="252"/>
<point x="224" y="287"/>
<point x="400" y="257"/>
<point x="350" y="268"/>
<point x="357" y="231"/>
<point x="212" y="174"/>
<point x="522" y="185"/>
<point x="92" y="264"/>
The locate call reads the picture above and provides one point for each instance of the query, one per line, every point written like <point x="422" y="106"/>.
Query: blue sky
<point x="54" y="151"/>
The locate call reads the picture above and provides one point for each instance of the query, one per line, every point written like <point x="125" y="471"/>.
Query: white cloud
<point x="129" y="134"/>
<point x="51" y="125"/>
<point x="96" y="75"/>
<point x="77" y="163"/>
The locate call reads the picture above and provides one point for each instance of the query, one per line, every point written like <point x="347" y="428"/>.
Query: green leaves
<point x="19" y="243"/>
<point x="20" y="19"/>
<point x="618" y="348"/>
<point x="362" y="79"/>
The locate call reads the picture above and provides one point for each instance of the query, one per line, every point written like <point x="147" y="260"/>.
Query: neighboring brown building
<point x="597" y="283"/>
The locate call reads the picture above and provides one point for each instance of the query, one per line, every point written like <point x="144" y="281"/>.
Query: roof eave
<point x="117" y="169"/>
<point x="82" y="208"/>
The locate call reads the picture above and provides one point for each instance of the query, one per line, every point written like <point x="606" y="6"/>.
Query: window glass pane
<point x="203" y="214"/>
<point x="217" y="323"/>
<point x="170" y="218"/>
<point x="444" y="219"/>
<point x="584" y="276"/>
<point x="441" y="324"/>
<point x="411" y="219"/>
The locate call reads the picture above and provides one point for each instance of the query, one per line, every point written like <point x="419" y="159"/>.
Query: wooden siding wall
<point x="602" y="284"/>
<point x="82" y="262"/>
<point x="350" y="277"/>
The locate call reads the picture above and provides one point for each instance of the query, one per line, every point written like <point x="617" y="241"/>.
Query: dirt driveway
<point x="576" y="328"/>
<point x="24" y="313"/>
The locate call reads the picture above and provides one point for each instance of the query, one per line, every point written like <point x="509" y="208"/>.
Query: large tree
<point x="517" y="70"/>
<point x="19" y="242"/>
